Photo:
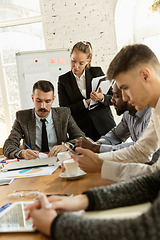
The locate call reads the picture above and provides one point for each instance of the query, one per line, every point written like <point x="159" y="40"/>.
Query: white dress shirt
<point x="81" y="82"/>
<point x="129" y="162"/>
<point x="51" y="134"/>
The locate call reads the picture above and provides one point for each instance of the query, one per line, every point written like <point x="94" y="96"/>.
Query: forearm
<point x="10" y="148"/>
<point x="138" y="190"/>
<point x="109" y="148"/>
<point x="73" y="130"/>
<point x="12" y="143"/>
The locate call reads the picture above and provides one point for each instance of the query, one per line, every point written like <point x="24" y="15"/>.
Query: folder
<point x="99" y="82"/>
<point x="39" y="162"/>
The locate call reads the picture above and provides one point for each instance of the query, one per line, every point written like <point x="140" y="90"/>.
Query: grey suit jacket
<point x="24" y="128"/>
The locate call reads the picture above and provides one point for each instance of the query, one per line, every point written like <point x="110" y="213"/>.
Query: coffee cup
<point x="71" y="167"/>
<point x="62" y="156"/>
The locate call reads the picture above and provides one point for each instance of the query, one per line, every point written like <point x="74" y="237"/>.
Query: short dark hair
<point x="129" y="57"/>
<point x="43" y="85"/>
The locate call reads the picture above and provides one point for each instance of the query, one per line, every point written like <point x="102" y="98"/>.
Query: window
<point x="146" y="26"/>
<point x="23" y="33"/>
<point x="142" y="24"/>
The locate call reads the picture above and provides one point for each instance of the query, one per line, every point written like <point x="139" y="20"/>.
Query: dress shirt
<point x="51" y="134"/>
<point x="126" y="163"/>
<point x="130" y="126"/>
<point x="81" y="82"/>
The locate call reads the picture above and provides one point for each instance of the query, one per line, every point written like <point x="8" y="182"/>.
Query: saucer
<point x="57" y="164"/>
<point x="80" y="174"/>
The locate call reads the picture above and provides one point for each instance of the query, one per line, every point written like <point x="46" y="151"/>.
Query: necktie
<point x="44" y="145"/>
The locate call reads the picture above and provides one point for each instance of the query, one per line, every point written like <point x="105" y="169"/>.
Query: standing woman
<point x="75" y="92"/>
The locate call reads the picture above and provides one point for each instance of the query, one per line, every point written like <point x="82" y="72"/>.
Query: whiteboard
<point x="40" y="65"/>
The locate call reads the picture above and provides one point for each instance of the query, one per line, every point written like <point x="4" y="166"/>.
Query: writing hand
<point x="29" y="154"/>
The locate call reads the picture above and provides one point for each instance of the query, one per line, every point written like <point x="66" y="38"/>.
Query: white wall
<point x="67" y="22"/>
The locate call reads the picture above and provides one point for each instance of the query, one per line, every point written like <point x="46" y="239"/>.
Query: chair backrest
<point x="1" y="151"/>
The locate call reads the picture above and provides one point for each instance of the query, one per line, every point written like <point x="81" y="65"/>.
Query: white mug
<point x="62" y="156"/>
<point x="71" y="167"/>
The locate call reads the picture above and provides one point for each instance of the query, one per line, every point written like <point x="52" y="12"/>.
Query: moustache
<point x="42" y="109"/>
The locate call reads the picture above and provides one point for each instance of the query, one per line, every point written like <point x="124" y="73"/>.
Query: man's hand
<point x="61" y="204"/>
<point x="88" y="161"/>
<point x="56" y="149"/>
<point x="97" y="96"/>
<point x="42" y="217"/>
<point x="88" y="143"/>
<point x="29" y="154"/>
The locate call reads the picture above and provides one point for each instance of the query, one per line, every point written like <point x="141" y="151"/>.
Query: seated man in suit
<point x="43" y="128"/>
<point x="132" y="125"/>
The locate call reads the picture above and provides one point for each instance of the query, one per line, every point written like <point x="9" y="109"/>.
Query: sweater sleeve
<point x="138" y="190"/>
<point x="145" y="227"/>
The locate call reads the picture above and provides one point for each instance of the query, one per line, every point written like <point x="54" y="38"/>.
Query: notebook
<point x="13" y="218"/>
<point x="39" y="162"/>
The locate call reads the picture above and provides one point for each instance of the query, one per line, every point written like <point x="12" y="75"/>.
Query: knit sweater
<point x="145" y="227"/>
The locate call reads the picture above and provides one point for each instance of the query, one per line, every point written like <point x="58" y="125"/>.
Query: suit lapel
<point x="32" y="129"/>
<point x="57" y="125"/>
<point x="88" y="83"/>
<point x="75" y="87"/>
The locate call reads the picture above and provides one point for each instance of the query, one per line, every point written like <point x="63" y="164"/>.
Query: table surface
<point x="47" y="184"/>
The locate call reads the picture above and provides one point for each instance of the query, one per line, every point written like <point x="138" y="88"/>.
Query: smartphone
<point x="60" y="194"/>
<point x="69" y="148"/>
<point x="57" y="194"/>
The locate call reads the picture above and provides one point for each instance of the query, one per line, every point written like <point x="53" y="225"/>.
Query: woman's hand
<point x="42" y="217"/>
<point x="97" y="96"/>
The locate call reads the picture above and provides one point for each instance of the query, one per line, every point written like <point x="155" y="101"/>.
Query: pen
<point x="5" y="206"/>
<point x="28" y="147"/>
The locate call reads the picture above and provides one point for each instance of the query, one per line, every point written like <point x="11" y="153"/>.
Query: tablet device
<point x="13" y="218"/>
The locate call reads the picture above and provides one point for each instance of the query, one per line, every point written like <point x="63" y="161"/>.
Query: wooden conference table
<point x="47" y="184"/>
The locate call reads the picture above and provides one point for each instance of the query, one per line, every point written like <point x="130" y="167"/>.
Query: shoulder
<point x="126" y="116"/>
<point x="95" y="70"/>
<point x="61" y="110"/>
<point x="65" y="75"/>
<point x="24" y="113"/>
